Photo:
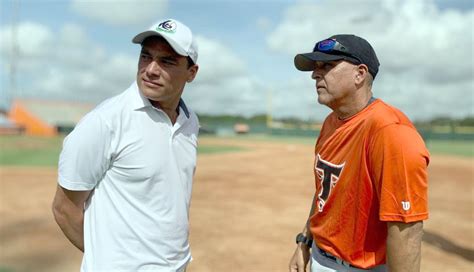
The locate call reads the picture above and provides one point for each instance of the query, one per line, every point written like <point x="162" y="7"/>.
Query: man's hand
<point x="300" y="258"/>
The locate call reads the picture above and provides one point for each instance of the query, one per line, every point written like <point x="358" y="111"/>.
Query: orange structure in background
<point x="32" y="125"/>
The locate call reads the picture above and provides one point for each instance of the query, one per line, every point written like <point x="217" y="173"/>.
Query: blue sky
<point x="81" y="51"/>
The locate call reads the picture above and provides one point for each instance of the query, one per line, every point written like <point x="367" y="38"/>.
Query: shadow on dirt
<point x="448" y="246"/>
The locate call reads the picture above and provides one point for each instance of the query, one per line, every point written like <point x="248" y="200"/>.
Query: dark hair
<point x="190" y="61"/>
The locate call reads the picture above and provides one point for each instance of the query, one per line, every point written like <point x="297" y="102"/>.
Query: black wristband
<point x="300" y="238"/>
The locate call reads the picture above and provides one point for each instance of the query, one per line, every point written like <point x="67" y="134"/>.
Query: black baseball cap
<point x="347" y="47"/>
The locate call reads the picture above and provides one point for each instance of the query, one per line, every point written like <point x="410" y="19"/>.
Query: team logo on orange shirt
<point x="328" y="174"/>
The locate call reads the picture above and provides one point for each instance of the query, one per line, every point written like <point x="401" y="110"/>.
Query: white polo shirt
<point x="140" y="168"/>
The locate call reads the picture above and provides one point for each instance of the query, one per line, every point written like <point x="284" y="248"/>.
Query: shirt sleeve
<point x="399" y="161"/>
<point x="85" y="157"/>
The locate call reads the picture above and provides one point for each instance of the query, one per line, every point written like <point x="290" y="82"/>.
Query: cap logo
<point x="167" y="26"/>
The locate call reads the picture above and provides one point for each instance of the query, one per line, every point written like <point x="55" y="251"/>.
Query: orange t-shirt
<point x="369" y="169"/>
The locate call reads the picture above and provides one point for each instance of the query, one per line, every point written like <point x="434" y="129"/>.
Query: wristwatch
<point x="300" y="238"/>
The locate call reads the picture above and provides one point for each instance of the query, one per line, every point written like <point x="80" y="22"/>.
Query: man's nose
<point x="153" y="68"/>
<point x="316" y="74"/>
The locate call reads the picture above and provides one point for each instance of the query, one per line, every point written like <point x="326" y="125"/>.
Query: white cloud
<point x="100" y="79"/>
<point x="426" y="56"/>
<point x="65" y="64"/>
<point x="33" y="40"/>
<point x="424" y="53"/>
<point x="121" y="12"/>
<point x="72" y="66"/>
<point x="217" y="62"/>
<point x="93" y="84"/>
<point x="223" y="85"/>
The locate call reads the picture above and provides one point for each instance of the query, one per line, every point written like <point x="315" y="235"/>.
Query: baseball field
<point x="251" y="197"/>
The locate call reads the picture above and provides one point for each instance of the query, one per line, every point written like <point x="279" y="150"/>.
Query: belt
<point x="335" y="259"/>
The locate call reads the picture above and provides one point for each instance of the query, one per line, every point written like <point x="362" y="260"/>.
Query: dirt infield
<point x="246" y="209"/>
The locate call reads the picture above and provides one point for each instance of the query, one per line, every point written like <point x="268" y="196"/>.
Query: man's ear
<point x="192" y="72"/>
<point x="361" y="73"/>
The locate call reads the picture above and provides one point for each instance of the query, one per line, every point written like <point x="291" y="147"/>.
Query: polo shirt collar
<point x="138" y="101"/>
<point x="183" y="106"/>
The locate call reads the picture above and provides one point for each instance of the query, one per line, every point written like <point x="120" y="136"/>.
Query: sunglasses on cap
<point x="331" y="46"/>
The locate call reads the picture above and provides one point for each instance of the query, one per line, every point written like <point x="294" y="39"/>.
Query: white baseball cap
<point x="178" y="35"/>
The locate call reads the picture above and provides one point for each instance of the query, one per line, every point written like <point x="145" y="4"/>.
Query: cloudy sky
<point x="81" y="50"/>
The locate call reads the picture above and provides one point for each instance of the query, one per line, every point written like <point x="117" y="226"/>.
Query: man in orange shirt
<point x="370" y="170"/>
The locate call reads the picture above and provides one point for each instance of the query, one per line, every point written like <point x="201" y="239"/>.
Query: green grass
<point x="211" y="149"/>
<point x="43" y="151"/>
<point x="28" y="150"/>
<point x="270" y="138"/>
<point x="457" y="148"/>
<point x="39" y="151"/>
<point x="5" y="269"/>
<point x="463" y="148"/>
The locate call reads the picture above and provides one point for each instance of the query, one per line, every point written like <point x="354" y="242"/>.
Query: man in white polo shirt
<point x="125" y="172"/>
